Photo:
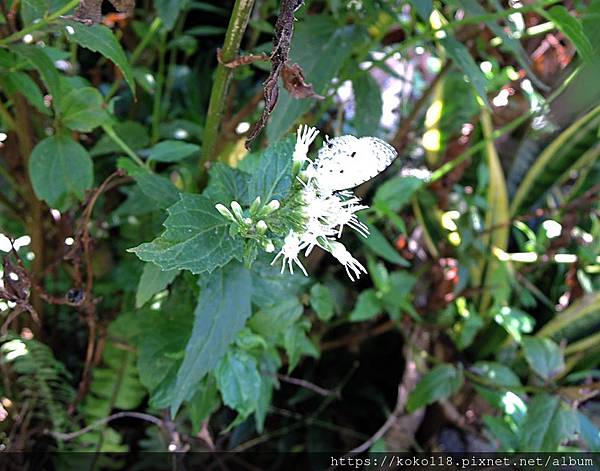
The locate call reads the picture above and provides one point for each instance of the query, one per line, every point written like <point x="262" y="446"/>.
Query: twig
<point x="65" y="437"/>
<point x="308" y="385"/>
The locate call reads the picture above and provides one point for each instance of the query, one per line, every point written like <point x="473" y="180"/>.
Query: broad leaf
<point x="221" y="313"/>
<point x="321" y="300"/>
<point x="239" y="381"/>
<point x="81" y="109"/>
<point x="99" y="38"/>
<point x="205" y="402"/>
<point x="169" y="10"/>
<point x="277" y="318"/>
<point x="196" y="238"/>
<point x="367" y="306"/>
<point x="152" y="281"/>
<point x="548" y="422"/>
<point x="172" y="151"/>
<point x="544" y="356"/>
<point x="273" y="176"/>
<point x="379" y="245"/>
<point x="397" y="192"/>
<point x="60" y="170"/>
<point x="33" y="10"/>
<point x="439" y="383"/>
<point x="227" y="184"/>
<point x="158" y="188"/>
<point x="24" y="84"/>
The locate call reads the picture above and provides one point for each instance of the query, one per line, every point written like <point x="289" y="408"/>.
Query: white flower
<point x="292" y="245"/>
<point x="345" y="258"/>
<point x="304" y="138"/>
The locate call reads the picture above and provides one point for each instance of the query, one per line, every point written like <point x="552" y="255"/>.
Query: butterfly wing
<point x="346" y="161"/>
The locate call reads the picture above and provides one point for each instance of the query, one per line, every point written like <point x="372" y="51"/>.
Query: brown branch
<point x="241" y="60"/>
<point x="308" y="385"/>
<point x="65" y="437"/>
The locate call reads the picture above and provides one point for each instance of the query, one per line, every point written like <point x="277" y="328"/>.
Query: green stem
<point x="108" y="129"/>
<point x="160" y="82"/>
<point x="40" y="24"/>
<point x="222" y="77"/>
<point x="9" y="121"/>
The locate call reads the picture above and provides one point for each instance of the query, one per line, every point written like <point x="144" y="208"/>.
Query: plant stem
<point x="222" y="77"/>
<point x="40" y="24"/>
<point x="160" y="82"/>
<point x="108" y="129"/>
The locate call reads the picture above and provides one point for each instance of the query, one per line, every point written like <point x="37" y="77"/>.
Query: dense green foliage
<point x="126" y="292"/>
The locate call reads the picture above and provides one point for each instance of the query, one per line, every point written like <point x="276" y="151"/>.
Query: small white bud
<point x="255" y="205"/>
<point x="272" y="206"/>
<point x="269" y="247"/>
<point x="224" y="212"/>
<point x="248" y="221"/>
<point x="237" y="210"/>
<point x="261" y="227"/>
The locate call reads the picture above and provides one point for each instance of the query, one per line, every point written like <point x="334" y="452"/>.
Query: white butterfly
<point x="347" y="161"/>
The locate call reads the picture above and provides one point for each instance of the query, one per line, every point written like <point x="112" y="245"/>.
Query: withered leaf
<point x="90" y="11"/>
<point x="295" y="83"/>
<point x="16" y="281"/>
<point x="284" y="28"/>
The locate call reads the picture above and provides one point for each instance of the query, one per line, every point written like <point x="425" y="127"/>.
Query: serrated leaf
<point x="81" y="109"/>
<point x="368" y="305"/>
<point x="43" y="64"/>
<point x="196" y="238"/>
<point x="24" y="84"/>
<point x="439" y="383"/>
<point x="221" y="313"/>
<point x="227" y="184"/>
<point x="239" y="381"/>
<point x="321" y="300"/>
<point x="99" y="38"/>
<point x="548" y="422"/>
<point x="459" y="53"/>
<point x="572" y="29"/>
<point x="272" y="178"/>
<point x="152" y="281"/>
<point x="172" y="151"/>
<point x="60" y="170"/>
<point x="297" y="344"/>
<point x="379" y="245"/>
<point x="369" y="104"/>
<point x="544" y="356"/>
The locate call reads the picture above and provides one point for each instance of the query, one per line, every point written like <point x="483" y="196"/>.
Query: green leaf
<point x="423" y="7"/>
<point x="204" y="403"/>
<point x="544" y="356"/>
<point x="572" y="29"/>
<point x="368" y="305"/>
<point x="239" y="381"/>
<point x="439" y="383"/>
<point x="380" y="246"/>
<point x="459" y="53"/>
<point x="169" y="10"/>
<point x="152" y="281"/>
<point x="272" y="320"/>
<point x="272" y="178"/>
<point x="227" y="184"/>
<point x="548" y="422"/>
<point x="172" y="151"/>
<point x="334" y="44"/>
<point x="60" y="170"/>
<point x="196" y="238"/>
<point x="32" y="10"/>
<point x="397" y="192"/>
<point x="321" y="300"/>
<point x="24" y="84"/>
<point x="297" y="344"/>
<point x="134" y="134"/>
<point x="589" y="432"/>
<point x="221" y="313"/>
<point x="369" y="104"/>
<point x="515" y="321"/>
<point x="496" y="373"/>
<point x="81" y="109"/>
<point x="158" y="188"/>
<point x="502" y="431"/>
<point x="99" y="38"/>
<point x="43" y="64"/>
